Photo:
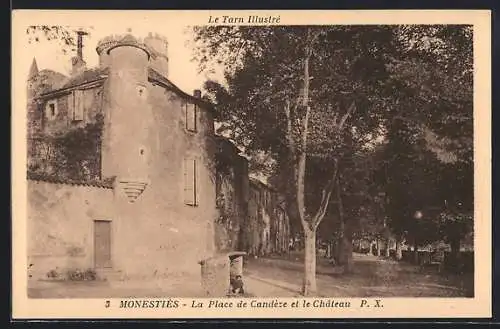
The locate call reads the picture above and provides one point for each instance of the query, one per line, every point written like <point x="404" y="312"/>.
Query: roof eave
<point x="156" y="77"/>
<point x="65" y="90"/>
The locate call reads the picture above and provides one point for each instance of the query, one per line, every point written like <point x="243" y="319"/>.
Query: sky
<point x="182" y="70"/>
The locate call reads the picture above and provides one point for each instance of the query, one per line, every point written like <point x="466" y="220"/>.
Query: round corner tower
<point x="127" y="115"/>
<point x="158" y="45"/>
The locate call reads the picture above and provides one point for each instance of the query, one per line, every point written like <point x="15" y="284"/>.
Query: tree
<point x="454" y="227"/>
<point x="74" y="155"/>
<point x="65" y="36"/>
<point x="432" y="73"/>
<point x="311" y="95"/>
<point x="292" y="91"/>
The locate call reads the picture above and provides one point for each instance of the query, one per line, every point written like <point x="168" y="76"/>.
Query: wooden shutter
<point x="190" y="182"/>
<point x="190" y="116"/>
<point x="79" y="104"/>
<point x="71" y="106"/>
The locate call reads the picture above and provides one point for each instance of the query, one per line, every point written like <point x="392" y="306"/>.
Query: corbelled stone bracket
<point x="133" y="189"/>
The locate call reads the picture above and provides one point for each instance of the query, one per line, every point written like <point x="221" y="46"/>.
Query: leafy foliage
<point x="455" y="226"/>
<point x="76" y="154"/>
<point x="63" y="35"/>
<point x="410" y="88"/>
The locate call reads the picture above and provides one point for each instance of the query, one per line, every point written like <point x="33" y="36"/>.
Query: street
<point x="371" y="277"/>
<point x="282" y="277"/>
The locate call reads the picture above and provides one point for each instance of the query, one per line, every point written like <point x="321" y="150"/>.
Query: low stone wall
<point x="60" y="221"/>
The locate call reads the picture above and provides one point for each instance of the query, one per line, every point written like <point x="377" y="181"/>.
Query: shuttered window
<point x="190" y="117"/>
<point x="76" y="104"/>
<point x="190" y="182"/>
<point x="79" y="105"/>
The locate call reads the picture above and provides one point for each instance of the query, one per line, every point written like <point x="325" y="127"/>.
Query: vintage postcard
<point x="251" y="164"/>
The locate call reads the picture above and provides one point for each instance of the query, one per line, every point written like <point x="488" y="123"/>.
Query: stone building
<point x="126" y="175"/>
<point x="232" y="186"/>
<point x="253" y="217"/>
<point x="148" y="207"/>
<point x="268" y="224"/>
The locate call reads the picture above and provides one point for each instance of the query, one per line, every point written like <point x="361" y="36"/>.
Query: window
<point x="190" y="117"/>
<point x="142" y="92"/>
<point x="76" y="105"/>
<point x="190" y="182"/>
<point x="51" y="109"/>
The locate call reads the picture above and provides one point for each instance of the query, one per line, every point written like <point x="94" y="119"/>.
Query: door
<point x="102" y="244"/>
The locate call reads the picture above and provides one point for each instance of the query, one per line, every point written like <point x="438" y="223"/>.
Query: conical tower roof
<point x="33" y="70"/>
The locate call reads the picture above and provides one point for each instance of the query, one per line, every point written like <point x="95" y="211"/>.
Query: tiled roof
<point x="108" y="183"/>
<point x="51" y="79"/>
<point x="97" y="74"/>
<point x="156" y="76"/>
<point x="85" y="77"/>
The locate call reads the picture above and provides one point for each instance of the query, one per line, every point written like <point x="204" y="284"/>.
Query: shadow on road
<point x="371" y="277"/>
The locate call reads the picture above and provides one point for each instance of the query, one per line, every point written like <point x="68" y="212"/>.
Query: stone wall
<point x="251" y="214"/>
<point x="267" y="230"/>
<point x="169" y="236"/>
<point x="232" y="197"/>
<point x="63" y="120"/>
<point x="148" y="239"/>
<point x="60" y="225"/>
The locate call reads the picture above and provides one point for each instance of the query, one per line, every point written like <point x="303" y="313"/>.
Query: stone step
<point x="109" y="274"/>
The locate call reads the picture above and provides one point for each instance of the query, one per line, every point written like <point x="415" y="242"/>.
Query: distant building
<point x="257" y="222"/>
<point x="270" y="226"/>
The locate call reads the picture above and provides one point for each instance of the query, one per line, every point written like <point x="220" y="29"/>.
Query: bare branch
<point x="346" y="115"/>
<point x="325" y="196"/>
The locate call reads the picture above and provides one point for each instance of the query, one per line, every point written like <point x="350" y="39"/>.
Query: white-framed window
<point x="76" y="105"/>
<point x="191" y="195"/>
<point x="191" y="116"/>
<point x="51" y="109"/>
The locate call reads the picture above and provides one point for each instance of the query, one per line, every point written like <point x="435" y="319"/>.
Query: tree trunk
<point x="387" y="246"/>
<point x="399" y="251"/>
<point x="309" y="286"/>
<point x="342" y="223"/>
<point x="345" y="239"/>
<point x="348" y="261"/>
<point x="455" y="253"/>
<point x="415" y="252"/>
<point x="297" y="146"/>
<point x="339" y="252"/>
<point x="378" y="247"/>
<point x="370" y="251"/>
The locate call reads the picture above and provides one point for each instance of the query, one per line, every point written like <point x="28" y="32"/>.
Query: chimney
<point x="78" y="64"/>
<point x="197" y="93"/>
<point x="79" y="49"/>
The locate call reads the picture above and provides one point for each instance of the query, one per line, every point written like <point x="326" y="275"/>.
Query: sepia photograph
<point x="249" y="157"/>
